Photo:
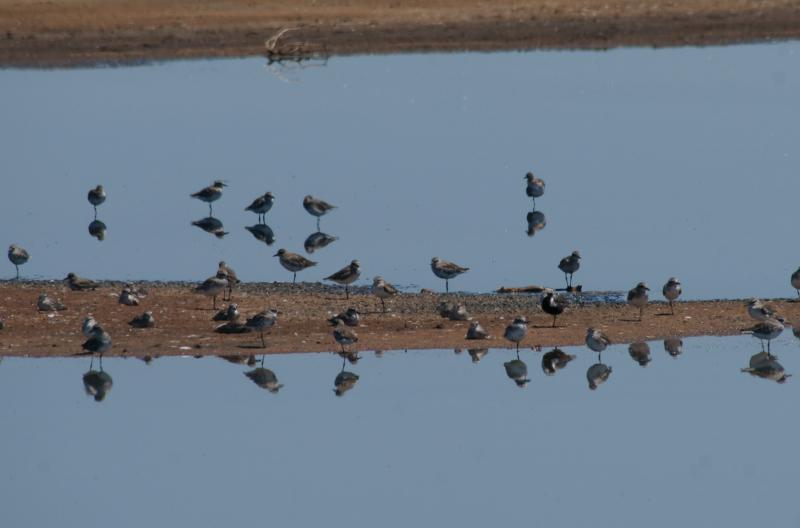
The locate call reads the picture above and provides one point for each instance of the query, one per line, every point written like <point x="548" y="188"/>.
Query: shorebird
<point x="128" y="298"/>
<point x="517" y="370"/>
<point x="211" y="225"/>
<point x="88" y="325"/>
<point x="18" y="256"/>
<point x="759" y="311"/>
<point x="293" y="262"/>
<point x="97" y="229"/>
<point x="476" y="331"/>
<point x="535" y="187"/>
<point x="536" y="222"/>
<point x="796" y="281"/>
<point x="453" y="311"/>
<point x="765" y="365"/>
<point x="233" y="327"/>
<point x="76" y="283"/>
<point x="597" y="374"/>
<point x="146" y="320"/>
<point x="264" y="378"/>
<point x="344" y="382"/>
<point x="210" y="194"/>
<point x="97" y="383"/>
<point x="569" y="265"/>
<point x="476" y="354"/>
<point x="640" y="352"/>
<point x="262" y="205"/>
<point x="555" y="360"/>
<point x="672" y="290"/>
<point x="226" y="272"/>
<point x="48" y="304"/>
<point x="344" y="336"/>
<point x="261" y="321"/>
<point x="673" y="346"/>
<point x="553" y="305"/>
<point x="230" y="313"/>
<point x="347" y="275"/>
<point x="446" y="270"/>
<point x="637" y="297"/>
<point x="515" y="332"/>
<point x="350" y="317"/>
<point x="262" y="232"/>
<point x="383" y="290"/>
<point x="96" y="196"/>
<point x="317" y="207"/>
<point x="766" y="331"/>
<point x="596" y="340"/>
<point x="212" y="287"/>
<point x="317" y="241"/>
<point x="99" y="341"/>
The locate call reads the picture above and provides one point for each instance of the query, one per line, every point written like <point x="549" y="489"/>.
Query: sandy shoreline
<point x="184" y="325"/>
<point x="67" y="32"/>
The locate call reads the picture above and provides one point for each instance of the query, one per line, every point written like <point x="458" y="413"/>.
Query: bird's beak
<point x="275" y="255"/>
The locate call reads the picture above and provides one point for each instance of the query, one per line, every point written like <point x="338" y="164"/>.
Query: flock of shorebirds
<point x="769" y="325"/>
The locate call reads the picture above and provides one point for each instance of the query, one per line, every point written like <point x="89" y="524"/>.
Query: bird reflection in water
<point x="536" y="222"/>
<point x="318" y="240"/>
<point x="598" y="373"/>
<point x="97" y="229"/>
<point x="350" y="356"/>
<point x="344" y="381"/>
<point x="97" y="383"/>
<point x="640" y="352"/>
<point x="262" y="233"/>
<point x="250" y="361"/>
<point x="765" y="365"/>
<point x="517" y="371"/>
<point x="264" y="378"/>
<point x="211" y="225"/>
<point x="673" y="346"/>
<point x="555" y="360"/>
<point x="477" y="353"/>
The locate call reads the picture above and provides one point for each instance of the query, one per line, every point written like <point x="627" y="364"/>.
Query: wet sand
<point x="70" y="32"/>
<point x="184" y="325"/>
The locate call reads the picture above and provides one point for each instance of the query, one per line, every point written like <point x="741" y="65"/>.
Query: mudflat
<point x="69" y="32"/>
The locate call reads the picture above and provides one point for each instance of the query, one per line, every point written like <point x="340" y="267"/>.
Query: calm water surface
<point x="424" y="438"/>
<point x="658" y="162"/>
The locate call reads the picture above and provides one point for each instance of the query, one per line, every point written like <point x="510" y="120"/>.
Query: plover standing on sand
<point x="229" y="313"/>
<point x="350" y="317"/>
<point x="212" y="287"/>
<point x="146" y="320"/>
<point x="317" y="207"/>
<point x="535" y="187"/>
<point x="210" y="194"/>
<point x="446" y="270"/>
<point x="672" y="290"/>
<point x="383" y="290"/>
<point x="476" y="331"/>
<point x="346" y="276"/>
<point x="76" y="283"/>
<point x="596" y="340"/>
<point x="48" y="304"/>
<point x="553" y="305"/>
<point x="226" y="272"/>
<point x="344" y="336"/>
<point x="759" y="311"/>
<point x="262" y="205"/>
<point x="796" y="281"/>
<point x="262" y="321"/>
<point x="18" y="256"/>
<point x="96" y="196"/>
<point x="569" y="265"/>
<point x="128" y="298"/>
<point x="516" y="331"/>
<point x="637" y="297"/>
<point x="293" y="262"/>
<point x="99" y="341"/>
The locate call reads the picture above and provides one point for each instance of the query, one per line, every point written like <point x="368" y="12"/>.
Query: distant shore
<point x="184" y="325"/>
<point x="68" y="33"/>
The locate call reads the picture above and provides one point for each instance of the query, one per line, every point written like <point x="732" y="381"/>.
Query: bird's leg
<point x="214" y="303"/>
<point x="566" y="279"/>
<point x="641" y="311"/>
<point x="554" y="321"/>
<point x="262" y="359"/>
<point x="518" y="353"/>
<point x="346" y="292"/>
<point x="447" y="285"/>
<point x="768" y="346"/>
<point x="17" y="266"/>
<point x="91" y="362"/>
<point x="798" y="293"/>
<point x="294" y="278"/>
<point x="95" y="212"/>
<point x="383" y="305"/>
<point x="210" y="210"/>
<point x="671" y="308"/>
<point x="101" y="361"/>
<point x="317" y="224"/>
<point x="263" y="344"/>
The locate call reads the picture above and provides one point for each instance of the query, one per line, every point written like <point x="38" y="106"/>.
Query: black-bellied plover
<point x="555" y="360"/>
<point x="640" y="353"/>
<point x="553" y="305"/>
<point x="210" y="194"/>
<point x="517" y="371"/>
<point x="765" y="365"/>
<point x="350" y="317"/>
<point x="76" y="283"/>
<point x="344" y="336"/>
<point x="516" y="331"/>
<point x="99" y="341"/>
<point x="89" y="323"/>
<point x="261" y="321"/>
<point x="795" y="279"/>
<point x="264" y="378"/>
<point x="759" y="311"/>
<point x="536" y="222"/>
<point x="293" y="262"/>
<point x="672" y="290"/>
<point x="453" y="311"/>
<point x="476" y="331"/>
<point x="346" y="276"/>
<point x="18" y="256"/>
<point x="318" y="240"/>
<point x="596" y="340"/>
<point x="212" y="287"/>
<point x="96" y="196"/>
<point x="637" y="297"/>
<point x="262" y="233"/>
<point x="766" y="330"/>
<point x="446" y="270"/>
<point x="673" y="346"/>
<point x="317" y="207"/>
<point x="569" y="265"/>
<point x="229" y="313"/>
<point x="128" y="298"/>
<point x="236" y="326"/>
<point x="383" y="290"/>
<point x="146" y="320"/>
<point x="535" y="187"/>
<point x="597" y="374"/>
<point x="262" y="205"/>
<point x="226" y="272"/>
<point x="45" y="303"/>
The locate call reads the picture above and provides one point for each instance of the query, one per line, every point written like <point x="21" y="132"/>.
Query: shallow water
<point x="658" y="162"/>
<point x="425" y="437"/>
